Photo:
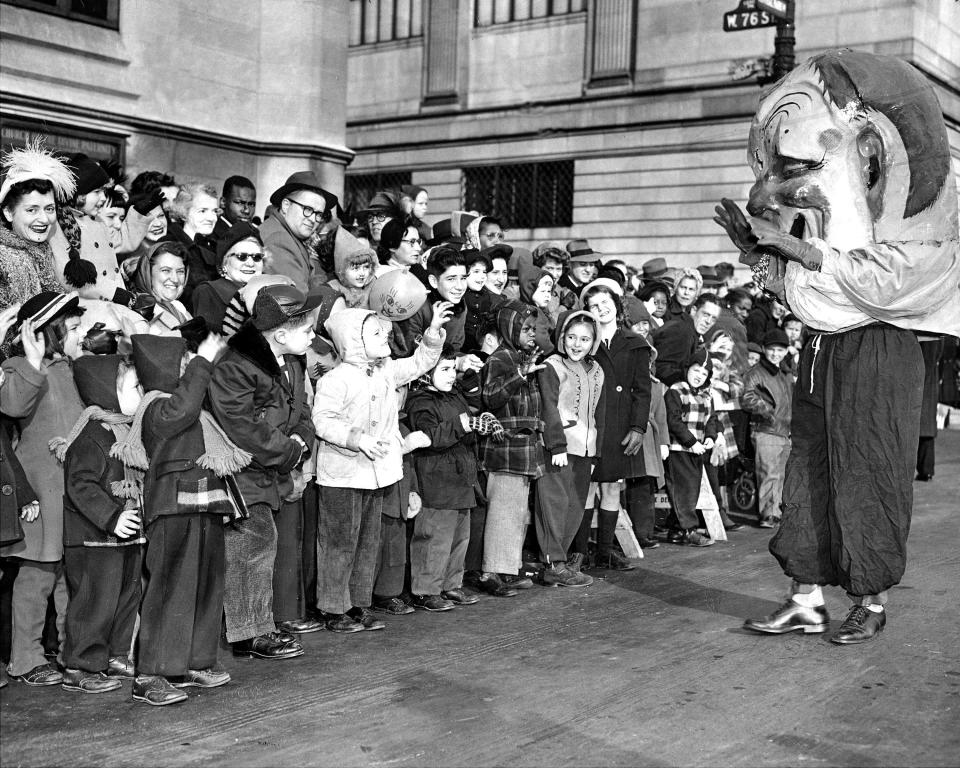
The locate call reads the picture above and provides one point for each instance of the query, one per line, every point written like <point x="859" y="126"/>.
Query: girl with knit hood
<point x="571" y="385"/>
<point x="360" y="455"/>
<point x="102" y="528"/>
<point x="536" y="289"/>
<point x="693" y="430"/>
<point x="355" y="266"/>
<point x="511" y="393"/>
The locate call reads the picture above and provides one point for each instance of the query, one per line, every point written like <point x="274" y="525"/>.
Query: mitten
<point x="100" y="341"/>
<point x="487" y="424"/>
<point x="144" y="304"/>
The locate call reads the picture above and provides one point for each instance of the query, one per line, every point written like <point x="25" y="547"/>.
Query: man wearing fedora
<point x="653" y="270"/>
<point x="296" y="212"/>
<point x="584" y="266"/>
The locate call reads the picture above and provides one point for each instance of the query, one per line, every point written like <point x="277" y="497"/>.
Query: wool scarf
<point x="220" y="455"/>
<point x="131" y="487"/>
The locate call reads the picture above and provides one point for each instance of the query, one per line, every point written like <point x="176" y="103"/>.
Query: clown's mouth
<point x="807" y="223"/>
<point x="799" y="226"/>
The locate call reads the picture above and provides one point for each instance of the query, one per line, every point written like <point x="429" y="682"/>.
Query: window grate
<point x="523" y="196"/>
<point x="359" y="189"/>
<point x="380" y="21"/>
<point x="489" y="12"/>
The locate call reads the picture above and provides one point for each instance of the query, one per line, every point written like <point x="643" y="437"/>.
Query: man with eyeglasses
<point x="237" y="203"/>
<point x="297" y="210"/>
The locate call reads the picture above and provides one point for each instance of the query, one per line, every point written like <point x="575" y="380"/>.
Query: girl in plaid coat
<point x="693" y="429"/>
<point x="512" y="394"/>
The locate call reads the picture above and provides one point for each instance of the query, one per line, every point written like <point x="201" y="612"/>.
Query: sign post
<point x="755" y="14"/>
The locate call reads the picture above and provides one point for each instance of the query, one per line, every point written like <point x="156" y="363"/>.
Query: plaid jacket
<point x="515" y="401"/>
<point x="690" y="416"/>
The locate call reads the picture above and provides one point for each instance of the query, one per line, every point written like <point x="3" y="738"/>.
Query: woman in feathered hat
<point x="35" y="180"/>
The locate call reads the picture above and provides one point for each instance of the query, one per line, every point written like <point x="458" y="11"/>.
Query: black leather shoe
<point x="156" y="691"/>
<point x="492" y="585"/>
<point x="393" y="606"/>
<point x="88" y="682"/>
<point x="202" y="678"/>
<point x="267" y="647"/>
<point x="516" y="582"/>
<point x="733" y="527"/>
<point x="791" y="617"/>
<point x="120" y="667"/>
<point x="283" y="637"/>
<point x="861" y="625"/>
<point x="613" y="561"/>
<point x="459" y="597"/>
<point x="299" y="626"/>
<point x="367" y="620"/>
<point x="650" y="543"/>
<point x="676" y="536"/>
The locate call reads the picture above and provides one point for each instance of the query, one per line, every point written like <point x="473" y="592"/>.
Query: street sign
<point x="778" y="8"/>
<point x="747" y="16"/>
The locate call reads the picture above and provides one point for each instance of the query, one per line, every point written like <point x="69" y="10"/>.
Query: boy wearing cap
<point x="768" y="398"/>
<point x="258" y="395"/>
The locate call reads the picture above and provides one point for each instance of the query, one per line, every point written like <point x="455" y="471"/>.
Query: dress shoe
<point x="283" y="637"/>
<point x="432" y="603"/>
<point x="733" y="527"/>
<point x="393" y="606"/>
<point x="459" y="597"/>
<point x="923" y="478"/>
<point x="267" y="647"/>
<point x="156" y="691"/>
<point x="44" y="674"/>
<point x="613" y="561"/>
<point x="675" y="536"/>
<point x="861" y="625"/>
<point x="343" y="624"/>
<point x="202" y="678"/>
<point x="120" y="666"/>
<point x="367" y="620"/>
<point x="648" y="543"/>
<point x="560" y="575"/>
<point x="299" y="626"/>
<point x="694" y="538"/>
<point x="88" y="682"/>
<point x="516" y="582"/>
<point x="495" y="587"/>
<point x="791" y="617"/>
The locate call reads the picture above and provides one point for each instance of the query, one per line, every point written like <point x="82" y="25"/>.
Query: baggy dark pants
<point x="104" y="584"/>
<point x="848" y="488"/>
<point x="183" y="601"/>
<point x="288" y="576"/>
<point x="560" y="496"/>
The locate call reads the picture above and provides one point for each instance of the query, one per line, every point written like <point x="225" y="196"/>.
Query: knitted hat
<point x="237" y="233"/>
<point x="157" y="360"/>
<point x="775" y="338"/>
<point x="96" y="380"/>
<point x="90" y="175"/>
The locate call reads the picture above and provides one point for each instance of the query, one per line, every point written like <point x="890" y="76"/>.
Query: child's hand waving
<point x="442" y="312"/>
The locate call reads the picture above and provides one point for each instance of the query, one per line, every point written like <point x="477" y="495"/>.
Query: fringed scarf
<point x="67" y="219"/>
<point x="220" y="455"/>
<point x="131" y="487"/>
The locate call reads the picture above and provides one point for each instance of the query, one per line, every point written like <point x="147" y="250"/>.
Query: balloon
<point x="397" y="295"/>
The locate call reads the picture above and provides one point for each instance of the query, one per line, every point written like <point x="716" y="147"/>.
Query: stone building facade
<point x="201" y="90"/>
<point x="629" y="118"/>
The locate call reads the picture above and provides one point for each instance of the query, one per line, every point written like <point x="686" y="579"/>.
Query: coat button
<point x="373" y="423"/>
<point x="7" y="490"/>
<point x="96" y="244"/>
<point x="619" y="389"/>
<point x="104" y="273"/>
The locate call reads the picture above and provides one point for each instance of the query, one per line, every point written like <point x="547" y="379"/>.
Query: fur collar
<point x="250" y="344"/>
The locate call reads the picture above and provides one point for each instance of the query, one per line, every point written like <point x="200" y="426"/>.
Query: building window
<point x="524" y="196"/>
<point x="380" y="21"/>
<point x="105" y="13"/>
<point x="488" y="12"/>
<point x="359" y="189"/>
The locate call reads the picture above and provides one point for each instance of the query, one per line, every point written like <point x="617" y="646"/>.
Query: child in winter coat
<point x="102" y="528"/>
<point x="512" y="394"/>
<point x="187" y="460"/>
<point x="693" y="429"/>
<point x="258" y="395"/>
<point x="355" y="415"/>
<point x="571" y="385"/>
<point x="39" y="391"/>
<point x="768" y="398"/>
<point x="355" y="265"/>
<point x="447" y="475"/>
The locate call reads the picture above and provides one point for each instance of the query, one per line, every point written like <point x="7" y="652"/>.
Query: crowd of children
<point x="419" y="430"/>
